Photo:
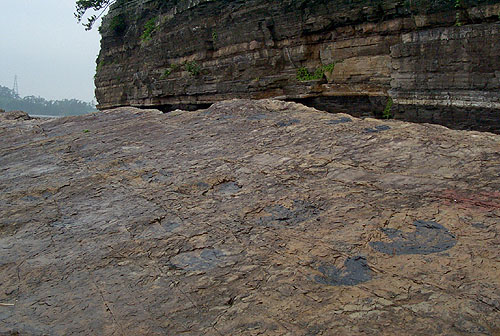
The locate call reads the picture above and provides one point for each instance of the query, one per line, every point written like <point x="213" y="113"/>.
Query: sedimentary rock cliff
<point x="438" y="60"/>
<point x="249" y="218"/>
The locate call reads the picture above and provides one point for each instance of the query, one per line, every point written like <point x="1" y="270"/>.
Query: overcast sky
<point x="52" y="56"/>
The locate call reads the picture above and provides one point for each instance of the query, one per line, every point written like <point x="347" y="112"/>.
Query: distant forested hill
<point x="10" y="101"/>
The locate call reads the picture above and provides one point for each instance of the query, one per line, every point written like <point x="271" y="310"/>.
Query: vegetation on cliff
<point x="82" y="6"/>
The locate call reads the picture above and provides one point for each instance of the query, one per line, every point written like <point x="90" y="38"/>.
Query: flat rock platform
<point x="247" y="218"/>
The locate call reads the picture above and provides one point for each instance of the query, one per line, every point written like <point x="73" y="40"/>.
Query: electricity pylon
<point x="16" y="86"/>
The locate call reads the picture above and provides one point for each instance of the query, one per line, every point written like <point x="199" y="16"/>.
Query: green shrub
<point x="387" y="114"/>
<point x="458" y="15"/>
<point x="166" y="73"/>
<point x="99" y="65"/>
<point x="304" y="75"/>
<point x="118" y="25"/>
<point x="193" y="68"/>
<point x="329" y="67"/>
<point x="149" y="28"/>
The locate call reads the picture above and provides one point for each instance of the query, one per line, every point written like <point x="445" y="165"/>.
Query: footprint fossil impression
<point x="355" y="271"/>
<point x="428" y="237"/>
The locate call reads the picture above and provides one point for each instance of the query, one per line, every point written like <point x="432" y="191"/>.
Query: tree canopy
<point x="97" y="6"/>
<point x="9" y="101"/>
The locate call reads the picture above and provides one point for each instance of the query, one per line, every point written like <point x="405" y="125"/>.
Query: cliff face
<point x="438" y="60"/>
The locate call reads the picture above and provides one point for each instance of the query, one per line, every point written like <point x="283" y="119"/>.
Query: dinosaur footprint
<point x="355" y="271"/>
<point x="429" y="237"/>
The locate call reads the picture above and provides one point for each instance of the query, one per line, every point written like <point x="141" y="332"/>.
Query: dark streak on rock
<point x="479" y="226"/>
<point x="285" y="123"/>
<point x="224" y="117"/>
<point x="342" y="120"/>
<point x="257" y="117"/>
<point x="278" y="214"/>
<point x="30" y="198"/>
<point x="377" y="129"/>
<point x="170" y="226"/>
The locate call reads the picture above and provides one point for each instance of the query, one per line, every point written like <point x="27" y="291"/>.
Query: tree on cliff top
<point x="96" y="5"/>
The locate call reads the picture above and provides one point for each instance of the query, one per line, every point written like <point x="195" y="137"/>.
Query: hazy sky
<point x="52" y="55"/>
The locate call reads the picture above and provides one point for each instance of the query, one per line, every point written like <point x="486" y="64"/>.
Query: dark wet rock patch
<point x="377" y="129"/>
<point x="354" y="272"/>
<point x="341" y="120"/>
<point x="285" y="123"/>
<point x="428" y="237"/>
<point x="479" y="226"/>
<point x="279" y="215"/>
<point x="199" y="260"/>
<point x="259" y="116"/>
<point x="228" y="188"/>
<point x="30" y="198"/>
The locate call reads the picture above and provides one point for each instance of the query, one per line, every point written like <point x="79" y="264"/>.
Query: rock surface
<point x="437" y="61"/>
<point x="248" y="218"/>
<point x="14" y="115"/>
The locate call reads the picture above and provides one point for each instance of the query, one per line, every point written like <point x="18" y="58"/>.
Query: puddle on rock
<point x="429" y="237"/>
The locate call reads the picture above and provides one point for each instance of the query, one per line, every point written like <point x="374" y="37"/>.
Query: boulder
<point x="14" y="115"/>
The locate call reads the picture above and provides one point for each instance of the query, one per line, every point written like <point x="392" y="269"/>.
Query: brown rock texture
<point x="14" y="115"/>
<point x="247" y="218"/>
<point x="437" y="59"/>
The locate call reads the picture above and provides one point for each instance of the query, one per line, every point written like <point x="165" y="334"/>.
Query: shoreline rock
<point x="14" y="115"/>
<point x="248" y="217"/>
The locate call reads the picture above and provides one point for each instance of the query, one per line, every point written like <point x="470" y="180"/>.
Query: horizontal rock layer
<point x="449" y="76"/>
<point x="437" y="61"/>
<point x="250" y="217"/>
